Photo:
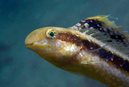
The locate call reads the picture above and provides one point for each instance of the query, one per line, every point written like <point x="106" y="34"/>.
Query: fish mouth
<point x="33" y="42"/>
<point x="29" y="45"/>
<point x="32" y="38"/>
<point x="28" y="42"/>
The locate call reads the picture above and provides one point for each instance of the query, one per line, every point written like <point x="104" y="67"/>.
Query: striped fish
<point x="95" y="47"/>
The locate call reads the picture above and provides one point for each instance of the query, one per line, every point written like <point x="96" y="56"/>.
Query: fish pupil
<point x="52" y="34"/>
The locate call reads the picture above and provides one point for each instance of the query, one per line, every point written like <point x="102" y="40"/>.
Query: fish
<point x="95" y="47"/>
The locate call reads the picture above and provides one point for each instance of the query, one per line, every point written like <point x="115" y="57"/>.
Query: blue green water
<point x="20" y="67"/>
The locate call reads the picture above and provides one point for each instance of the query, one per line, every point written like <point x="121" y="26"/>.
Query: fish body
<point x="88" y="48"/>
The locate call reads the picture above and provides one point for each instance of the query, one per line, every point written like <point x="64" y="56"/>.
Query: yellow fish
<point x="79" y="49"/>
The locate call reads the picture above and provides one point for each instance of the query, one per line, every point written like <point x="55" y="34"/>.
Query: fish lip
<point x="29" y="45"/>
<point x="35" y="45"/>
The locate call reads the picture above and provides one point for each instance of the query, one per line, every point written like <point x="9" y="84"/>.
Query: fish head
<point x="56" y="45"/>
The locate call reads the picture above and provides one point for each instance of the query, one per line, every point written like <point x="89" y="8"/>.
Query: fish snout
<point x="32" y="38"/>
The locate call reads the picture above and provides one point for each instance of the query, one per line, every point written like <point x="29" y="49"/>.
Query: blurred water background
<point x="20" y="67"/>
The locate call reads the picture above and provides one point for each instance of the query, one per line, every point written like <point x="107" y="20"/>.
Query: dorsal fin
<point x="105" y="31"/>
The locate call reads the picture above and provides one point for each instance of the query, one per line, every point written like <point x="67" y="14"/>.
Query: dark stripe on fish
<point x="68" y="37"/>
<point x="92" y="23"/>
<point x="114" y="59"/>
<point x="89" y="24"/>
<point x="104" y="54"/>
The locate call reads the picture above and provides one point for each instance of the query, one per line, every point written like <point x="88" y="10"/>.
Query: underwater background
<point x="20" y="67"/>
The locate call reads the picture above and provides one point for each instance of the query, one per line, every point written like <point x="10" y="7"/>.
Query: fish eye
<point x="51" y="33"/>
